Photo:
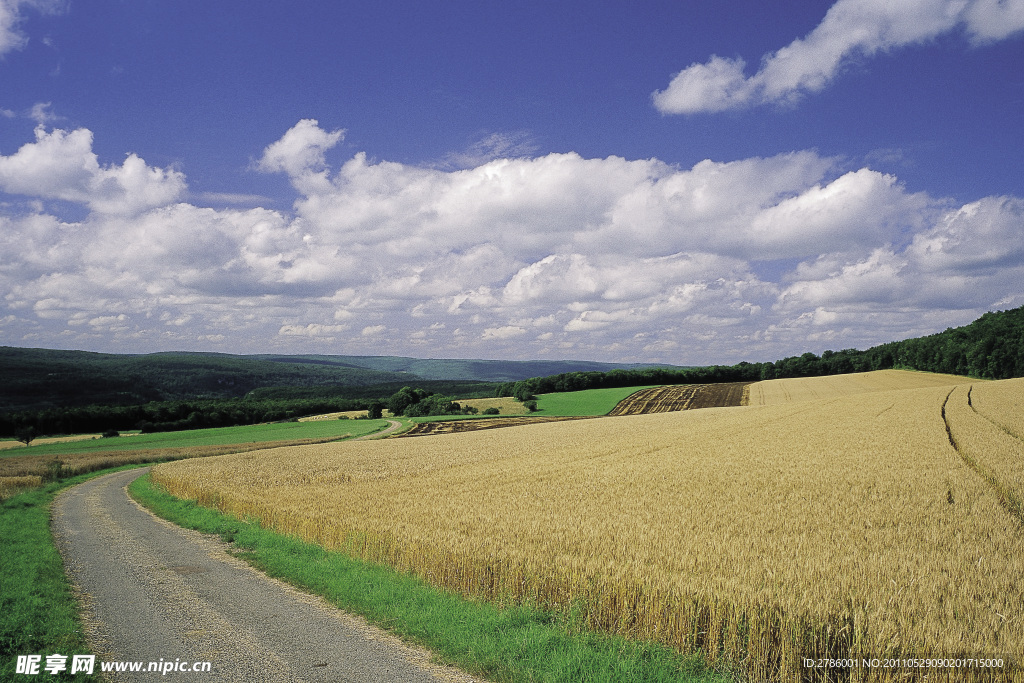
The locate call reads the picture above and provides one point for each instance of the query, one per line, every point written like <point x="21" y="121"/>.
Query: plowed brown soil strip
<point x="657" y="400"/>
<point x="681" y="397"/>
<point x="456" y="426"/>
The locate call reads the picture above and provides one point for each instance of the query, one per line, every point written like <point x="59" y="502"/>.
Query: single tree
<point x="26" y="435"/>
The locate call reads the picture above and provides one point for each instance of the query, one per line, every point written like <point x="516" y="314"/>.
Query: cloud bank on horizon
<point x="500" y="250"/>
<point x="554" y="255"/>
<point x="851" y="28"/>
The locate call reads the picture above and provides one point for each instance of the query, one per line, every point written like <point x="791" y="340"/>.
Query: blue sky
<point x="663" y="181"/>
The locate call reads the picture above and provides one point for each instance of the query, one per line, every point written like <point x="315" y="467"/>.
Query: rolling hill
<point x="36" y="379"/>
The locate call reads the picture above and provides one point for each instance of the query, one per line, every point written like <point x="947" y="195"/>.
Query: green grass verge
<point x="518" y="643"/>
<point x="583" y="403"/>
<point x="38" y="611"/>
<point x="277" y="431"/>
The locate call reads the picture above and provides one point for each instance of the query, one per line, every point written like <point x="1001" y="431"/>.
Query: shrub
<point x="26" y="435"/>
<point x="54" y="471"/>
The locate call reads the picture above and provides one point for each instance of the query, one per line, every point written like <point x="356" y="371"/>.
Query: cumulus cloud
<point x="952" y="263"/>
<point x="300" y="154"/>
<point x="550" y="256"/>
<point x="62" y="165"/>
<point x="850" y="28"/>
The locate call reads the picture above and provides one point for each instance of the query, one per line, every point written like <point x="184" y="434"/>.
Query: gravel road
<point x="151" y="590"/>
<point x="393" y="426"/>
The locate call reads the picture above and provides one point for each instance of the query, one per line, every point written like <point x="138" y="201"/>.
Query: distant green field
<point x="568" y="404"/>
<point x="562" y="404"/>
<point x="283" y="431"/>
<point x="580" y="403"/>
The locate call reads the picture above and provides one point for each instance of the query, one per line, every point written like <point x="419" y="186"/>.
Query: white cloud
<point x="11" y="38"/>
<point x="312" y="330"/>
<point x="980" y="237"/>
<point x="716" y="86"/>
<point x="300" y="154"/>
<point x="503" y="332"/>
<point x="513" y="145"/>
<point x="963" y="261"/>
<point x="850" y="28"/>
<point x="549" y="256"/>
<point x="62" y="165"/>
<point x="41" y="114"/>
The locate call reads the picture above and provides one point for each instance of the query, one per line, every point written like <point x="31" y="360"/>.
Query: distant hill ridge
<point x="460" y="369"/>
<point x="36" y="379"/>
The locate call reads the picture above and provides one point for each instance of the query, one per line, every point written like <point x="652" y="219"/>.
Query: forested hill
<point x="36" y="379"/>
<point x="991" y="347"/>
<point x="460" y="369"/>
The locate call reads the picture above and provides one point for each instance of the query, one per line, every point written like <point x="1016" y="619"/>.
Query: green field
<point x="582" y="403"/>
<point x="279" y="431"/>
<point x="586" y="403"/>
<point x="563" y="404"/>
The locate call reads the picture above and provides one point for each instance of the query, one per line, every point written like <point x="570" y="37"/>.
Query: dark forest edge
<point x="274" y="404"/>
<point x="991" y="347"/>
<point x="38" y="379"/>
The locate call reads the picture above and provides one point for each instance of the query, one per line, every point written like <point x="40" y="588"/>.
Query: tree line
<point x="167" y="416"/>
<point x="992" y="347"/>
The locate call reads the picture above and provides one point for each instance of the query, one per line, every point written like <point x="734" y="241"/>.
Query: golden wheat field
<point x="775" y="391"/>
<point x="875" y="524"/>
<point x="506" y="405"/>
<point x="6" y="444"/>
<point x="345" y="414"/>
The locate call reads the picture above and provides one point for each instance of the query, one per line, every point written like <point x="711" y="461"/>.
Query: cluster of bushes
<point x="413" y="402"/>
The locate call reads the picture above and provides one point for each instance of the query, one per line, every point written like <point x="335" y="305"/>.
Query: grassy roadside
<point x="509" y="644"/>
<point x="38" y="611"/>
